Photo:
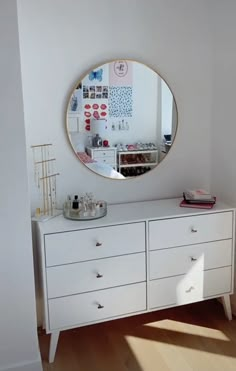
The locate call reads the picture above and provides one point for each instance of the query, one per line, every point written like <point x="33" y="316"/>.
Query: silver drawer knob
<point x="98" y="244"/>
<point x="190" y="289"/>
<point x="100" y="306"/>
<point x="99" y="275"/>
<point x="193" y="259"/>
<point x="193" y="230"/>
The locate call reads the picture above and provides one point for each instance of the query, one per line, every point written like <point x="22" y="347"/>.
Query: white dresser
<point x="141" y="257"/>
<point x="105" y="155"/>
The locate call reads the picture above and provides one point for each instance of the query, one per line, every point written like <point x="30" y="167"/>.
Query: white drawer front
<point x="95" y="274"/>
<point x="189" y="230"/>
<point x="96" y="306"/>
<point x="69" y="247"/>
<point x="105" y="160"/>
<point x="189" y="288"/>
<point x="103" y="155"/>
<point x="180" y="260"/>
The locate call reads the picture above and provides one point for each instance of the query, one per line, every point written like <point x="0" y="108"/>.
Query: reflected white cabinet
<point x="141" y="257"/>
<point x="73" y="122"/>
<point x="104" y="155"/>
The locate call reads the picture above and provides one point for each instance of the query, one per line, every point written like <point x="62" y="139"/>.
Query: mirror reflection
<point x="121" y="119"/>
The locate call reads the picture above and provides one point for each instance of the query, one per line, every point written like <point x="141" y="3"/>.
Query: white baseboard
<point x="29" y="366"/>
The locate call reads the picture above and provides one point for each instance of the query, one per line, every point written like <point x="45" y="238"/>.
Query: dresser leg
<point x="53" y="345"/>
<point x="227" y="306"/>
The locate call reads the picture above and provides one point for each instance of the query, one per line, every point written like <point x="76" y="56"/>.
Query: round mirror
<point x="121" y="119"/>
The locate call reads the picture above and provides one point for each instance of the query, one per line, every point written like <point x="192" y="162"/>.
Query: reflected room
<point x="121" y="119"/>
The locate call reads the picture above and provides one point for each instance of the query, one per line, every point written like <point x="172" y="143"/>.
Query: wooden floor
<point x="193" y="337"/>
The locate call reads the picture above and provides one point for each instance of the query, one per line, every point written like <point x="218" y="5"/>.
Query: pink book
<point x="204" y="205"/>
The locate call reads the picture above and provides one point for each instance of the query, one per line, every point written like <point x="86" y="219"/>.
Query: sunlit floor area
<point x="192" y="337"/>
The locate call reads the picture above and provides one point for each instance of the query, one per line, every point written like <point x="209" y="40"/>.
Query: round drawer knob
<point x="98" y="244"/>
<point x="100" y="306"/>
<point x="99" y="275"/>
<point x="193" y="259"/>
<point x="193" y="230"/>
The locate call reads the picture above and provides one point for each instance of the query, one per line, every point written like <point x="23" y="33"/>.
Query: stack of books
<point x="198" y="198"/>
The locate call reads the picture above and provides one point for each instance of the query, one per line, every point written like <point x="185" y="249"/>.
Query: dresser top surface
<point x="130" y="213"/>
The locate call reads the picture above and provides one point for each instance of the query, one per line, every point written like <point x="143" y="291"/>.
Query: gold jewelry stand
<point x="45" y="179"/>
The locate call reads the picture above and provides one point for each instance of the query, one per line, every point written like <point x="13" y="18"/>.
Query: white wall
<point x="18" y="335"/>
<point x="223" y="101"/>
<point x="223" y="129"/>
<point x="61" y="40"/>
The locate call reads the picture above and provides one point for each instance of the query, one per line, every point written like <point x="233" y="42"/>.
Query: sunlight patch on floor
<point x="170" y="352"/>
<point x="186" y="328"/>
<point x="156" y="355"/>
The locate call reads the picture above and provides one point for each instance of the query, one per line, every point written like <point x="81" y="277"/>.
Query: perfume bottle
<point x="97" y="141"/>
<point x="75" y="203"/>
<point x="68" y="202"/>
<point x="67" y="205"/>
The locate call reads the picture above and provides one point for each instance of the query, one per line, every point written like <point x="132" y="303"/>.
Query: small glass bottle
<point x="75" y="203"/>
<point x="83" y="206"/>
<point x="68" y="202"/>
<point x="67" y="206"/>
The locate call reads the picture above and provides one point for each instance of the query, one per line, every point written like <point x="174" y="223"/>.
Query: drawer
<point x="106" y="160"/>
<point x="95" y="274"/>
<point x="190" y="230"/>
<point x="103" y="155"/>
<point x="189" y="288"/>
<point x="96" y="306"/>
<point x="88" y="244"/>
<point x="180" y="260"/>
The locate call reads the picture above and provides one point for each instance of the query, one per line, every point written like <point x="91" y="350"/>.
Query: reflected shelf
<point x="138" y="164"/>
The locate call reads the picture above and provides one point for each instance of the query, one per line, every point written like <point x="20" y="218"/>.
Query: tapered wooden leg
<point x="53" y="345"/>
<point x="227" y="306"/>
